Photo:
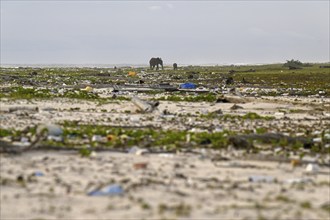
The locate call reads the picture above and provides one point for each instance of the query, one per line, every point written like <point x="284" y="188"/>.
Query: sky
<point x="186" y="32"/>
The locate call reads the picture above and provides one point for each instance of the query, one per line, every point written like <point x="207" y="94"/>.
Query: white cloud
<point x="169" y="5"/>
<point x="154" y="7"/>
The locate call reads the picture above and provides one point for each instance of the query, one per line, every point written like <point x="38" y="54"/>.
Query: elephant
<point x="156" y="62"/>
<point x="175" y="66"/>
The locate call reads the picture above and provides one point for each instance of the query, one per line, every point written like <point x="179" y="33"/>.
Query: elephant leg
<point x="157" y="68"/>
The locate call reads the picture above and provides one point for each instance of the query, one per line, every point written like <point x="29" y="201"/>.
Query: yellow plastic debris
<point x="132" y="73"/>
<point x="88" y="89"/>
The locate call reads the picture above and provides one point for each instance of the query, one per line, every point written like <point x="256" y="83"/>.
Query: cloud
<point x="169" y="5"/>
<point x="154" y="7"/>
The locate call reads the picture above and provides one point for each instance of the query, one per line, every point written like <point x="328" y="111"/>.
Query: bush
<point x="293" y="64"/>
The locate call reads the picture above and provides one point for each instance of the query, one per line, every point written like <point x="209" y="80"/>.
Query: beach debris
<point x="295" y="163"/>
<point x="111" y="137"/>
<point x="317" y="140"/>
<point x="245" y="141"/>
<point x="312" y="168"/>
<point x="50" y="129"/>
<point x="235" y="107"/>
<point x="132" y="73"/>
<point x="137" y="151"/>
<point x="141" y="165"/>
<point x="265" y="179"/>
<point x="144" y="106"/>
<point x="42" y="132"/>
<point x="188" y="85"/>
<point x="279" y="115"/>
<point x="299" y="180"/>
<point x="38" y="173"/>
<point x="110" y="190"/>
<point x="53" y="132"/>
<point x="98" y="138"/>
<point x="222" y="99"/>
<point x="23" y="108"/>
<point x="88" y="89"/>
<point x="217" y="112"/>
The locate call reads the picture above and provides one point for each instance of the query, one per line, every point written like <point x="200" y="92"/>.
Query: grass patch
<point x="190" y="98"/>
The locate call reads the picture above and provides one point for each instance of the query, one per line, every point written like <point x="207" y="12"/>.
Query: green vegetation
<point x="20" y="92"/>
<point x="306" y="205"/>
<point x="148" y="137"/>
<point x="226" y="117"/>
<point x="310" y="79"/>
<point x="190" y="98"/>
<point x="293" y="64"/>
<point x="180" y="209"/>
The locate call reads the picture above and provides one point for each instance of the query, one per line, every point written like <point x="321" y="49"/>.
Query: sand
<point x="207" y="184"/>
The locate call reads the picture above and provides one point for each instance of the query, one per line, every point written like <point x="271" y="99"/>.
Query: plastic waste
<point x="111" y="137"/>
<point x="52" y="129"/>
<point x="38" y="173"/>
<point x="266" y="179"/>
<point x="97" y="138"/>
<point x="188" y="86"/>
<point x="137" y="151"/>
<point x="88" y="89"/>
<point x="312" y="168"/>
<point x="110" y="190"/>
<point x="55" y="138"/>
<point x="299" y="180"/>
<point x="142" y="165"/>
<point x="317" y="140"/>
<point x="132" y="73"/>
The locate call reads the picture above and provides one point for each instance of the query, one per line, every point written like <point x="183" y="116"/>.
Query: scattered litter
<point x="298" y="180"/>
<point x="143" y="105"/>
<point x="25" y="140"/>
<point x="111" y="137"/>
<point x="279" y="115"/>
<point x="132" y="73"/>
<point x="266" y="179"/>
<point x="51" y="129"/>
<point x="188" y="86"/>
<point x="55" y="138"/>
<point x="98" y="138"/>
<point x="235" y="107"/>
<point x="88" y="89"/>
<point x="38" y="173"/>
<point x="317" y="140"/>
<point x="295" y="163"/>
<point x="137" y="151"/>
<point x="312" y="168"/>
<point x="188" y="138"/>
<point x="110" y="190"/>
<point x="166" y="155"/>
<point x="142" y="165"/>
<point x="327" y="136"/>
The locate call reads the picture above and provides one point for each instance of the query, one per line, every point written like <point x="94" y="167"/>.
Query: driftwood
<point x="23" y="108"/>
<point x="245" y="141"/>
<point x="232" y="99"/>
<point x="144" y="106"/>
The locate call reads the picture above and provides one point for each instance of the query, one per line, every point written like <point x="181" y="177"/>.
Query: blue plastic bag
<point x="110" y="190"/>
